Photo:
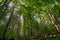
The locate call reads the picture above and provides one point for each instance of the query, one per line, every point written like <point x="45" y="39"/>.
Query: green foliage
<point x="10" y="35"/>
<point x="35" y="15"/>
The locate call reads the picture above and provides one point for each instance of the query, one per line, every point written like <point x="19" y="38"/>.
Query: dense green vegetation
<point x="29" y="19"/>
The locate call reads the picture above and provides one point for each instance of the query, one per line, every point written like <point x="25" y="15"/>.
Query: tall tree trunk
<point x="18" y="30"/>
<point x="7" y="24"/>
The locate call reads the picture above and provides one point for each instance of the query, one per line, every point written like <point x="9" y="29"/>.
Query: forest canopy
<point x="29" y="19"/>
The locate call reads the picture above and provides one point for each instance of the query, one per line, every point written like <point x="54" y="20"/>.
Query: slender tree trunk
<point x="52" y="17"/>
<point x="30" y="27"/>
<point x="53" y="21"/>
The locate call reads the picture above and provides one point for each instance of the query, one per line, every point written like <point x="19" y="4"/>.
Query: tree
<point x="41" y="19"/>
